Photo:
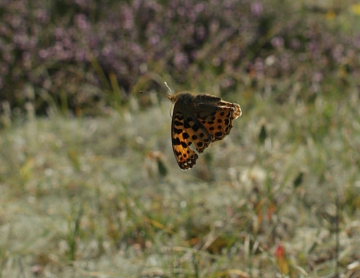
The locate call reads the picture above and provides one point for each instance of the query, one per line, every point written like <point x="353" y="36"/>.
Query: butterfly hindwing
<point x="187" y="134"/>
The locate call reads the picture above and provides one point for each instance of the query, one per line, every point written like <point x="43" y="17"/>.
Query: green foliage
<point x="106" y="195"/>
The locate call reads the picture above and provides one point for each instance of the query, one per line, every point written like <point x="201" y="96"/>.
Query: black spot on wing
<point x="196" y="127"/>
<point x="188" y="163"/>
<point x="176" y="141"/>
<point x="177" y="131"/>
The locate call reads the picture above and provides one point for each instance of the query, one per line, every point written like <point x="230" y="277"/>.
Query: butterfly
<point x="197" y="121"/>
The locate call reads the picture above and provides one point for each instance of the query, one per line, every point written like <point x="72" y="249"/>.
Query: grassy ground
<point x="104" y="197"/>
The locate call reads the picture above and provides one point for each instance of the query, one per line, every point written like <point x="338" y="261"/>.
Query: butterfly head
<point x="183" y="97"/>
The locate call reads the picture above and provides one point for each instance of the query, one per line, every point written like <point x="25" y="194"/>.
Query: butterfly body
<point x="197" y="121"/>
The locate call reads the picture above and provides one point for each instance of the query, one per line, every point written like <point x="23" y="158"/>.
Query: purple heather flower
<point x="317" y="77"/>
<point x="338" y="52"/>
<point x="82" y="3"/>
<point x="277" y="42"/>
<point x="43" y="53"/>
<point x="199" y="8"/>
<point x="128" y="18"/>
<point x="257" y="8"/>
<point x="42" y="16"/>
<point x="82" y="22"/>
<point x="180" y="60"/>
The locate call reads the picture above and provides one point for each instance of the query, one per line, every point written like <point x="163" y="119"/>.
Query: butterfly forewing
<point x="218" y="120"/>
<point x="187" y="134"/>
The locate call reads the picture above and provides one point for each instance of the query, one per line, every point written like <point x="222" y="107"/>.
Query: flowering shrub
<point x="80" y="51"/>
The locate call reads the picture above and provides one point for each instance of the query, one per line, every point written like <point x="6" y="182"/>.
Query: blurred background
<point x="89" y="184"/>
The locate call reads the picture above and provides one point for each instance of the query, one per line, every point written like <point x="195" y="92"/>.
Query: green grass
<point x="104" y="197"/>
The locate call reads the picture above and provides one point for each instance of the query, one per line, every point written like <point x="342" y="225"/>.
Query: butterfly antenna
<point x="170" y="91"/>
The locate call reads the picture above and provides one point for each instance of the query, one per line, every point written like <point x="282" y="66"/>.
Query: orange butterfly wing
<point x="197" y="121"/>
<point x="219" y="121"/>
<point x="187" y="133"/>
